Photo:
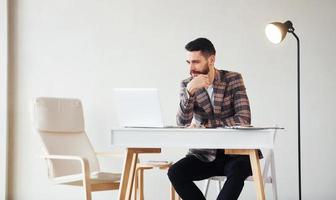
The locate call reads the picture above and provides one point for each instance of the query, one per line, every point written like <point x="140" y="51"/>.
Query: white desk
<point x="151" y="140"/>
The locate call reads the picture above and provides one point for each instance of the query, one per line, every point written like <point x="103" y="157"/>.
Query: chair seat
<point x="96" y="177"/>
<point x="157" y="164"/>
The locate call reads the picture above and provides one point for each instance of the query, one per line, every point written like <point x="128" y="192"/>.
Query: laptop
<point x="139" y="108"/>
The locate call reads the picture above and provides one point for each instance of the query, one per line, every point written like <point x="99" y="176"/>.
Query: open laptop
<point x="139" y="107"/>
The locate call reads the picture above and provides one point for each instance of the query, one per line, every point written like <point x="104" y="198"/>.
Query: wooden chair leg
<point x="88" y="195"/>
<point x="177" y="197"/>
<point x="172" y="192"/>
<point x="136" y="184"/>
<point x="141" y="184"/>
<point x="86" y="180"/>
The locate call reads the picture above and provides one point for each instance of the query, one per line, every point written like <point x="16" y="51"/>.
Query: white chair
<point x="269" y="164"/>
<point x="69" y="153"/>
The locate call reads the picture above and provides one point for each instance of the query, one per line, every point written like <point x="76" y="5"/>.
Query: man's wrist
<point x="189" y="94"/>
<point x="189" y="91"/>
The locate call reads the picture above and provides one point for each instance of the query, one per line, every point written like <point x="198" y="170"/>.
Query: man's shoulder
<point x="229" y="76"/>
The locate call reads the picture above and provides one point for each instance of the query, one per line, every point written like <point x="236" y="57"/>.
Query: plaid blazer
<point x="231" y="107"/>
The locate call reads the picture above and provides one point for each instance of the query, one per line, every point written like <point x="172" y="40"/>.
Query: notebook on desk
<point x="139" y="108"/>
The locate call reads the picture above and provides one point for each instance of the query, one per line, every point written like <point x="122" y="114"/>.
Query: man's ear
<point x="212" y="59"/>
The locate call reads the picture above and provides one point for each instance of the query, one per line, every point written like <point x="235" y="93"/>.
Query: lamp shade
<point x="276" y="31"/>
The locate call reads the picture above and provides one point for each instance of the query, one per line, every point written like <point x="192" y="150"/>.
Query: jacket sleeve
<point x="186" y="106"/>
<point x="241" y="103"/>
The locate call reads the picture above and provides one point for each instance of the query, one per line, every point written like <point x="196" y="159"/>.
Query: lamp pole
<point x="276" y="32"/>
<point x="291" y="30"/>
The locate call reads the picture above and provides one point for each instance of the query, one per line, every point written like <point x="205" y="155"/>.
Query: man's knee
<point x="174" y="172"/>
<point x="177" y="173"/>
<point x="171" y="172"/>
<point x="237" y="177"/>
<point x="240" y="171"/>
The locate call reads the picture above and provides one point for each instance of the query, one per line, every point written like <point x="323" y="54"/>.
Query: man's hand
<point x="201" y="81"/>
<point x="192" y="125"/>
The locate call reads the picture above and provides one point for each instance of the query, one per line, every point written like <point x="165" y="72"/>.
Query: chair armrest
<point x="109" y="154"/>
<point x="63" y="157"/>
<point x="84" y="164"/>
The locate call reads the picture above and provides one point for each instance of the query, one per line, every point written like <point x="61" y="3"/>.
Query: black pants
<point x="189" y="169"/>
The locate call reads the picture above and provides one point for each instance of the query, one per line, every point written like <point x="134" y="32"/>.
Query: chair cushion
<point x="58" y="115"/>
<point x="95" y="177"/>
<point x="106" y="176"/>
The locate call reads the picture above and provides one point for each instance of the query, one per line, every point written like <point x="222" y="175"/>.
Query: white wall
<point x="83" y="48"/>
<point x="3" y="97"/>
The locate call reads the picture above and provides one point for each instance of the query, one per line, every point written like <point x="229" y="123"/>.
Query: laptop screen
<point x="138" y="107"/>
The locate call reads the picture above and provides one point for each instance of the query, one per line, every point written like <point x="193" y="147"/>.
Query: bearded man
<point x="210" y="98"/>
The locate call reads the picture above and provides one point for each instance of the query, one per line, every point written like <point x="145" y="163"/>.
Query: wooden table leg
<point x="127" y="178"/>
<point x="255" y="165"/>
<point x="257" y="177"/>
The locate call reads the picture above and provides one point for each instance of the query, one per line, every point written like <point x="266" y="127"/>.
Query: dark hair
<point x="201" y="44"/>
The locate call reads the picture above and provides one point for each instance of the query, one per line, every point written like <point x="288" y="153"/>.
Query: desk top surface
<point x="193" y="138"/>
<point x="177" y="129"/>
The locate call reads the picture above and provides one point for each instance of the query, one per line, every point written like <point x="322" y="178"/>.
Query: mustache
<point x="198" y="72"/>
<point x="194" y="72"/>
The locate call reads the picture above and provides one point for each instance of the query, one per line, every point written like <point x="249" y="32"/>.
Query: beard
<point x="205" y="71"/>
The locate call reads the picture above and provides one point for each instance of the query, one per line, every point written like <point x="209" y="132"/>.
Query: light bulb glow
<point x="273" y="33"/>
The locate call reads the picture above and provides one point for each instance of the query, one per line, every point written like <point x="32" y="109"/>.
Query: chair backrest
<point x="60" y="124"/>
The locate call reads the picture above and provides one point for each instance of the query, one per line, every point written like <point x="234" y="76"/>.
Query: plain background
<point x="85" y="48"/>
<point x="3" y="97"/>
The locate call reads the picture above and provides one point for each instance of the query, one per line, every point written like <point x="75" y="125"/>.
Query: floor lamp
<point x="276" y="32"/>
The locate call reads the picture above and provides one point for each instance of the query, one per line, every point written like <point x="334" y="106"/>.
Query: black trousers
<point x="189" y="169"/>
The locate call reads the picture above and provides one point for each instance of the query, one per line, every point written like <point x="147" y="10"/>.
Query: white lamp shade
<point x="277" y="31"/>
<point x="273" y="33"/>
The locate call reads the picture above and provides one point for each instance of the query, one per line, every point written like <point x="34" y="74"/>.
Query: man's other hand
<point x="193" y="125"/>
<point x="201" y="81"/>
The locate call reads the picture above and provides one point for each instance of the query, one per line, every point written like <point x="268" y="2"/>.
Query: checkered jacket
<point x="231" y="107"/>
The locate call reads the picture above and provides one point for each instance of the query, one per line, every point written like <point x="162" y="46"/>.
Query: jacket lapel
<point x="218" y="90"/>
<point x="203" y="101"/>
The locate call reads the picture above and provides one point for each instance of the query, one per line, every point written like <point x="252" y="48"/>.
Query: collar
<point x="217" y="76"/>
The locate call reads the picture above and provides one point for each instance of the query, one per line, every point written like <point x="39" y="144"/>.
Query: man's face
<point x="197" y="63"/>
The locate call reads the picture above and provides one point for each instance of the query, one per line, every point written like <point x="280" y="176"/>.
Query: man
<point x="210" y="98"/>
